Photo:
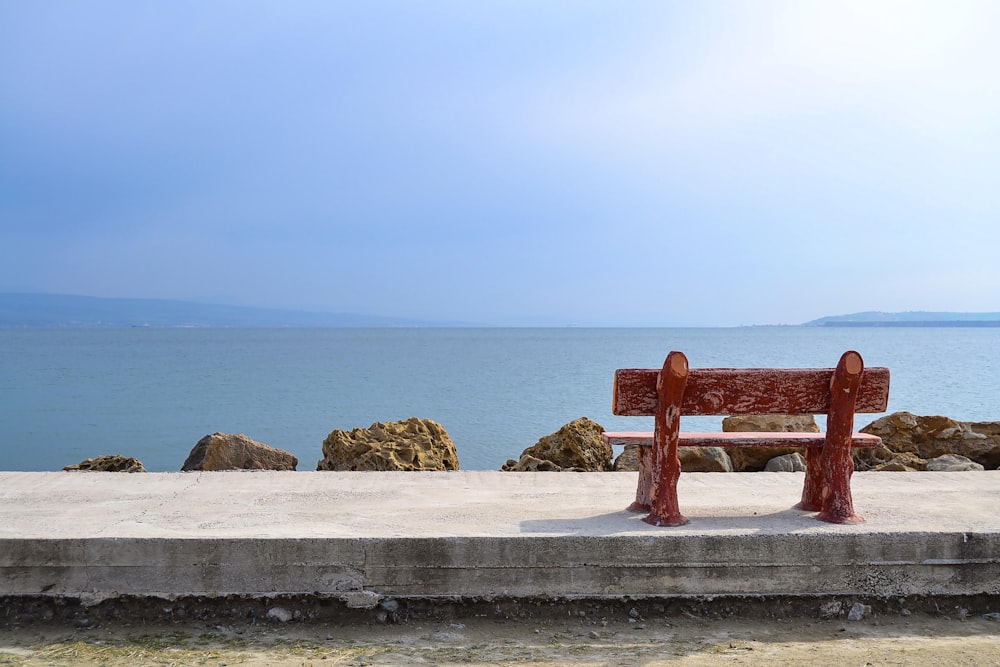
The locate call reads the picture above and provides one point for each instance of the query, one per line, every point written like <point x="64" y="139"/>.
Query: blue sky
<point x="518" y="163"/>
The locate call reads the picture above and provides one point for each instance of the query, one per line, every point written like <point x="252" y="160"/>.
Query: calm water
<point x="69" y="394"/>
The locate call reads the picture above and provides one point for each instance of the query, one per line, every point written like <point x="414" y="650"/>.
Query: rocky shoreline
<point x="911" y="443"/>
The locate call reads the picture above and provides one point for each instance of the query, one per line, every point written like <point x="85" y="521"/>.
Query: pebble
<point x="279" y="614"/>
<point x="859" y="611"/>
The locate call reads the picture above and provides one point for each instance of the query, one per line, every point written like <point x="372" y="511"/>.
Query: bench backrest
<point x="741" y="391"/>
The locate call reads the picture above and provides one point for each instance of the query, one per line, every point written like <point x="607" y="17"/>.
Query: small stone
<point x="108" y="463"/>
<point x="952" y="463"/>
<point x="830" y="609"/>
<point x="859" y="611"/>
<point x="279" y="614"/>
<point x="594" y="634"/>
<point x="793" y="462"/>
<point x="992" y="616"/>
<point x="361" y="599"/>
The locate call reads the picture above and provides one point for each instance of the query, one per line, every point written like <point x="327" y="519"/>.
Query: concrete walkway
<point x="359" y="536"/>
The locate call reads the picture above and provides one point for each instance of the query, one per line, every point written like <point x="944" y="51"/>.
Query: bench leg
<point x="666" y="467"/>
<point x="812" y="488"/>
<point x="838" y="505"/>
<point x="837" y="465"/>
<point x="643" y="491"/>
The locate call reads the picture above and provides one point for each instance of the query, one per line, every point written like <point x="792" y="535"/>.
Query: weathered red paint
<point x="836" y="464"/>
<point x="644" y="491"/>
<point x="666" y="467"/>
<point x="747" y="391"/>
<point x="675" y="390"/>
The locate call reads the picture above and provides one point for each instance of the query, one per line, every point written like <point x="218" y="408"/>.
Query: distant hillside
<point x="908" y="319"/>
<point x="60" y="310"/>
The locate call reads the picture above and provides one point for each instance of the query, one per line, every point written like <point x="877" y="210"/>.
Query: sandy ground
<point x="915" y="639"/>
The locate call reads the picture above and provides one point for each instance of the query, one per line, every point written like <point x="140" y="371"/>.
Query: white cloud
<point x="928" y="68"/>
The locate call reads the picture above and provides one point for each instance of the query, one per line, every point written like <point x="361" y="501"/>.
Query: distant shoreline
<point x="925" y="324"/>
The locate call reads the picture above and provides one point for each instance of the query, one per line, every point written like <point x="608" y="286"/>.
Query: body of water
<point x="71" y="394"/>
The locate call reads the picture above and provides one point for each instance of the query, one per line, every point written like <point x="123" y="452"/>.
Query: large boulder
<point x="628" y="460"/>
<point x="932" y="436"/>
<point x="577" y="446"/>
<point x="413" y="444"/>
<point x="228" y="451"/>
<point x="754" y="459"/>
<point x="704" y="459"/>
<point x="108" y="463"/>
<point x="693" y="459"/>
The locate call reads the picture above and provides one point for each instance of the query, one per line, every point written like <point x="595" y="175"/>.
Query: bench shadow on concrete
<point x="627" y="522"/>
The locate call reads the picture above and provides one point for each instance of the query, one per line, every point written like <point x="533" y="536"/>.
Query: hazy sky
<point x="535" y="162"/>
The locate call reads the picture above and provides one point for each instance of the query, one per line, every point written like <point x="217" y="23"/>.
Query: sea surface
<point x="70" y="394"/>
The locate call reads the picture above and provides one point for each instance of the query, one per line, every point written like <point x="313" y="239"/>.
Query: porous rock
<point x="902" y="462"/>
<point x="831" y="609"/>
<point x="754" y="459"/>
<point x="108" y="463"/>
<point x="576" y="446"/>
<point x="693" y="459"/>
<point x="932" y="436"/>
<point x="529" y="463"/>
<point x="412" y="444"/>
<point x="235" y="451"/>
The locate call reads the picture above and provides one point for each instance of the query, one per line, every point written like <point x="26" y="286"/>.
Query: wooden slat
<point x="738" y="439"/>
<point x="740" y="391"/>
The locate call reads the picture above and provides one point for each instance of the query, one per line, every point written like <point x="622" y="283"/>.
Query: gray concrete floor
<point x="360" y="536"/>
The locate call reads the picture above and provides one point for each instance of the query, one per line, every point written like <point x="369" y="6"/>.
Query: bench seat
<point x="737" y="439"/>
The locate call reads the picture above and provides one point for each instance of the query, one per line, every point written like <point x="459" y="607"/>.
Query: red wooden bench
<point x="676" y="390"/>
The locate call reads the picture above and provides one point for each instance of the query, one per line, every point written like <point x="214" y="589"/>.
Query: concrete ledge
<point x="473" y="535"/>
